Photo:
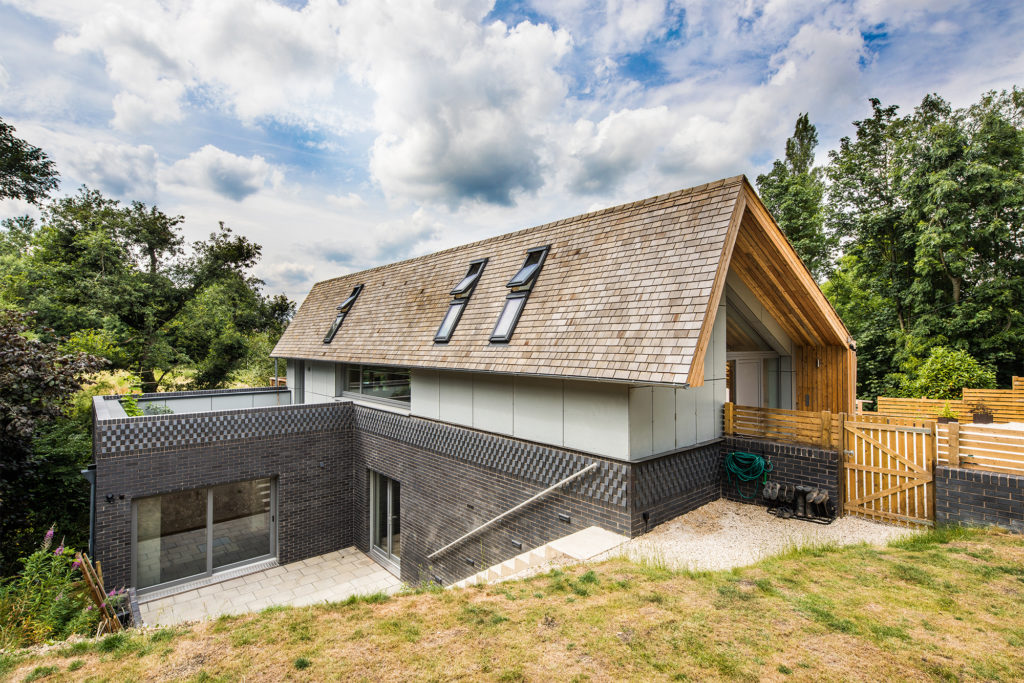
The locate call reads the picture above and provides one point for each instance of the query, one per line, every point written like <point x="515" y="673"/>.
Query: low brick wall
<point x="791" y="464"/>
<point x="454" y="479"/>
<point x="976" y="497"/>
<point x="664" y="488"/>
<point x="306" y="448"/>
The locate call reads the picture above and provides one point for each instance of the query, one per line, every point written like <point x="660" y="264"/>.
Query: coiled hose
<point x="746" y="467"/>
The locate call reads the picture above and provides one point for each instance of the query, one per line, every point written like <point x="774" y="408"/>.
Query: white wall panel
<point x="686" y="418"/>
<point x="538" y="410"/>
<point x="455" y="394"/>
<point x="641" y="422"/>
<point x="664" y="419"/>
<point x="493" y="403"/>
<point x="596" y="418"/>
<point x="424" y="398"/>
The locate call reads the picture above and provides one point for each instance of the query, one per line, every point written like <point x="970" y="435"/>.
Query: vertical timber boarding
<point x="888" y="469"/>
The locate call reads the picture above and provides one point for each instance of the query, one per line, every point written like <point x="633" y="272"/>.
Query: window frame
<point x="343" y="310"/>
<point x="211" y="573"/>
<point x="520" y="289"/>
<point x="461" y="296"/>
<point x="359" y="395"/>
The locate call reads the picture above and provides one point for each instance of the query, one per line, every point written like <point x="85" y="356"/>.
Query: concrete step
<point x="580" y="546"/>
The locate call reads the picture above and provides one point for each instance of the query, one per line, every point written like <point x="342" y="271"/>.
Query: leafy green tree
<point x="947" y="372"/>
<point x="25" y="170"/>
<point x="37" y="384"/>
<point x="794" y="191"/>
<point x="120" y="280"/>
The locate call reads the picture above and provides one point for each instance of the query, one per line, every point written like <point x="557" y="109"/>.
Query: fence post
<point x="954" y="444"/>
<point x="826" y="430"/>
<point x="729" y="418"/>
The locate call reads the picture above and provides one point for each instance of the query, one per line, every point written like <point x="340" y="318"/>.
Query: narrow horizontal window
<point x="378" y="382"/>
<point x="461" y="292"/>
<point x="521" y="284"/>
<point x="343" y="310"/>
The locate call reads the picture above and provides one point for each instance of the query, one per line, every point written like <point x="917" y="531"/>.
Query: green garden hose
<point x="746" y="467"/>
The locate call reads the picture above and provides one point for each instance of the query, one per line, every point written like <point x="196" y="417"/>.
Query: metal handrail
<point x="508" y="512"/>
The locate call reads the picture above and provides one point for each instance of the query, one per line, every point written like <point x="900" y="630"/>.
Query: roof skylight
<point x="521" y="285"/>
<point x="343" y="310"/>
<point x="461" y="292"/>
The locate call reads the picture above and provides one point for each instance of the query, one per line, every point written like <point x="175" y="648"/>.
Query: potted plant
<point x="947" y="415"/>
<point x="982" y="414"/>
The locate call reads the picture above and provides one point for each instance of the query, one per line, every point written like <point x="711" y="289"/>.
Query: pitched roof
<point x="623" y="296"/>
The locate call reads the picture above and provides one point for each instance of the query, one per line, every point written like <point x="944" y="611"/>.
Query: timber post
<point x="954" y="444"/>
<point x="729" y="417"/>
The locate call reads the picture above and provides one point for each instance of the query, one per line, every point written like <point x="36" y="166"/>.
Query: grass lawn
<point x="946" y="605"/>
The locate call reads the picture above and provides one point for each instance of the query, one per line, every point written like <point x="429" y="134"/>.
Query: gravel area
<point x="724" y="534"/>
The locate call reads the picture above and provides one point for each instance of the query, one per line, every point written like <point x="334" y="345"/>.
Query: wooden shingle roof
<point x="623" y="296"/>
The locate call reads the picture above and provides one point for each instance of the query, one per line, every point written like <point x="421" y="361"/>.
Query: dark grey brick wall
<point x="672" y="485"/>
<point x="455" y="479"/>
<point x="791" y="464"/>
<point x="307" y="448"/>
<point x="976" y="497"/>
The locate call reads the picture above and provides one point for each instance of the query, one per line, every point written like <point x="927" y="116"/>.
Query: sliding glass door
<point x="191" y="534"/>
<point x="385" y="520"/>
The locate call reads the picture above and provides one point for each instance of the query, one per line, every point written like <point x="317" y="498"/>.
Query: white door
<point x="748" y="382"/>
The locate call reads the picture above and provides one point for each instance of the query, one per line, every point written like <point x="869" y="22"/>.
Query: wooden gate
<point x="889" y="464"/>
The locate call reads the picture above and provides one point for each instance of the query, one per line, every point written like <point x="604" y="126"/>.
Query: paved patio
<point x="327" y="578"/>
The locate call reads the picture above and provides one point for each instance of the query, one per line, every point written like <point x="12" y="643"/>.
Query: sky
<point x="341" y="136"/>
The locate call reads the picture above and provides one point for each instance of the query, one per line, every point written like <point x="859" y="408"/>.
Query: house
<point x="426" y="397"/>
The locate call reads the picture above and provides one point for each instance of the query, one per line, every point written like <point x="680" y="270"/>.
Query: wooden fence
<point x="984" y="447"/>
<point x="1007" y="405"/>
<point x="789" y="426"/>
<point x="981" y="447"/>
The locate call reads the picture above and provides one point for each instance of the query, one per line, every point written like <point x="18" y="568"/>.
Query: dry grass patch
<point x="943" y="605"/>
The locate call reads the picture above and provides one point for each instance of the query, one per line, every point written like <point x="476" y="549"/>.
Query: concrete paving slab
<point x="331" y="577"/>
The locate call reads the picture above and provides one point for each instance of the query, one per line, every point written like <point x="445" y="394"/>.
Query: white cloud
<point x="348" y="201"/>
<point x="229" y="175"/>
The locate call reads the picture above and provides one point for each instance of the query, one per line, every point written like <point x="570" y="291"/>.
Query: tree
<point x="946" y="372"/>
<point x="37" y="383"/>
<point x="794" y="191"/>
<point x="25" y="171"/>
<point x="120" y="280"/>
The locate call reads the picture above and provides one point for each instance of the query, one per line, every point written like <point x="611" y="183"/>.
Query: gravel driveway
<point x="724" y="534"/>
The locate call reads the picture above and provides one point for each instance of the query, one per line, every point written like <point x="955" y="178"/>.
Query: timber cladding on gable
<point x="622" y="296"/>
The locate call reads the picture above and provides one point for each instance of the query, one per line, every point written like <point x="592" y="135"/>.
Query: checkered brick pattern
<point x="976" y="497"/>
<point x="672" y="485"/>
<point x="168" y="432"/>
<point x="531" y="462"/>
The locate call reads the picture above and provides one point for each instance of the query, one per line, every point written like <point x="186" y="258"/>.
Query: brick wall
<point x="674" y="484"/>
<point x="455" y="479"/>
<point x="791" y="464"/>
<point x="976" y="497"/>
<point x="307" y="448"/>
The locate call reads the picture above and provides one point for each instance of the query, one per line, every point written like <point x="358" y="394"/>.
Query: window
<point x="343" y="310"/>
<point x="190" y="534"/>
<point x="521" y="284"/>
<point x="462" y="292"/>
<point x="378" y="382"/>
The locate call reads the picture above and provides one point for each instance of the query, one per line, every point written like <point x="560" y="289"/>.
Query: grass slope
<point x="944" y="605"/>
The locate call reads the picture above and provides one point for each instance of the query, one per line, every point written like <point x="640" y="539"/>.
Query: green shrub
<point x="946" y="372"/>
<point x="44" y="601"/>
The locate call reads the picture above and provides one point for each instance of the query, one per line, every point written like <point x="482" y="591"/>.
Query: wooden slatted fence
<point x="1007" y="405"/>
<point x="981" y="447"/>
<point x="788" y="426"/>
<point x="888" y="466"/>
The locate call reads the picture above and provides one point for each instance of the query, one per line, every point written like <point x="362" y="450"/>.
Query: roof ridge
<point x="713" y="185"/>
